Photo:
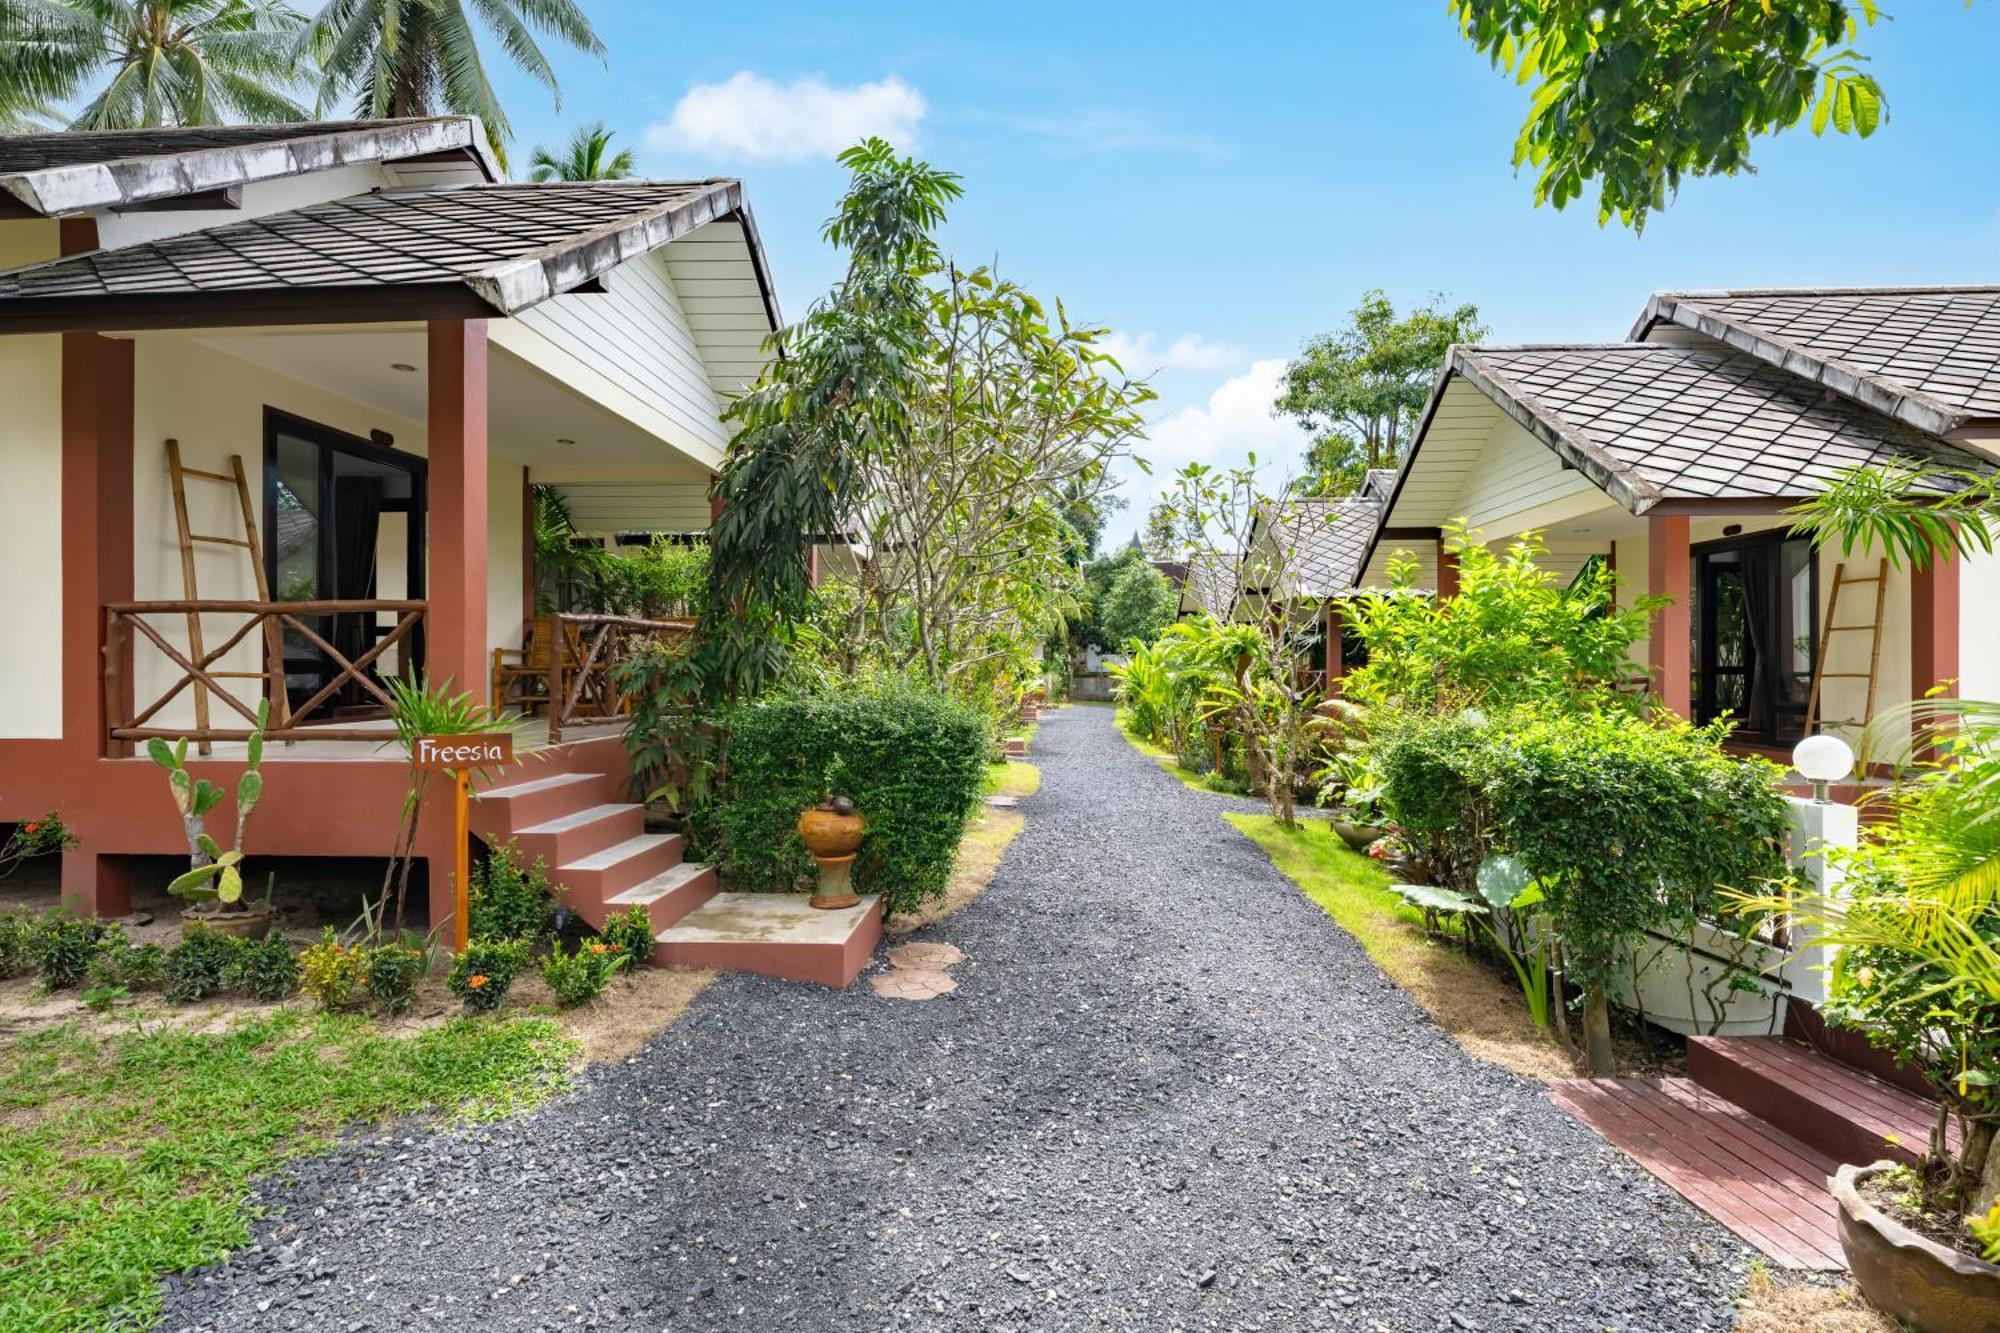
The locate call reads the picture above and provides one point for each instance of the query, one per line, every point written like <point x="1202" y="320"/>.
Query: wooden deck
<point x="1764" y="1185"/>
<point x="1844" y="1111"/>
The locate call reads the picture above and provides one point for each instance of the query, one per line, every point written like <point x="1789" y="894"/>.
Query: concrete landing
<point x="775" y="934"/>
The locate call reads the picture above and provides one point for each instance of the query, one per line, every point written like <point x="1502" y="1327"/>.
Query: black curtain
<point x="1760" y="586"/>
<point x="357" y="520"/>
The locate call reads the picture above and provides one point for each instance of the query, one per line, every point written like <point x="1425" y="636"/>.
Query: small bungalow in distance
<point x="1673" y="456"/>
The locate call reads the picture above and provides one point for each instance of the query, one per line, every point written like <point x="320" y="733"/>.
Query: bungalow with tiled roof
<point x="1673" y="456"/>
<point x="365" y="348"/>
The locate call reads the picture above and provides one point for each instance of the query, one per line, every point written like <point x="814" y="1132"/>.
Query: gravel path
<point x="1168" y="1094"/>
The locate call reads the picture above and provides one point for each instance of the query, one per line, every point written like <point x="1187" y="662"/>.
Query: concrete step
<point x="667" y="896"/>
<point x="591" y="881"/>
<point x="775" y="935"/>
<point x="570" y="837"/>
<point x="1849" y="1115"/>
<point x="500" y="811"/>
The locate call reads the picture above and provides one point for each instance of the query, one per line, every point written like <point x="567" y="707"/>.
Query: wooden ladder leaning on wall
<point x="1832" y="627"/>
<point x="274" y="647"/>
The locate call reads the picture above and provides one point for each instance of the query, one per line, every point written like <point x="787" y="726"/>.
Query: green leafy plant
<point x="17" y="953"/>
<point x="912" y="761"/>
<point x="1520" y="936"/>
<point x="630" y="933"/>
<point x="391" y="971"/>
<point x="199" y="965"/>
<point x="580" y="976"/>
<point x="481" y="974"/>
<point x="329" y="972"/>
<point x="62" y="947"/>
<point x="34" y="837"/>
<point x="122" y="964"/>
<point x="266" y="969"/>
<point x="508" y="901"/>
<point x="215" y="876"/>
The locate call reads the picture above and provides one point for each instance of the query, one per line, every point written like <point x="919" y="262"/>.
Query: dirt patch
<point x="1483" y="1013"/>
<point x="631" y="1013"/>
<point x="986" y="837"/>
<point x="1773" y="1304"/>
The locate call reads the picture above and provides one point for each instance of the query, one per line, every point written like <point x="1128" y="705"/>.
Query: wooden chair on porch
<point x="544" y="668"/>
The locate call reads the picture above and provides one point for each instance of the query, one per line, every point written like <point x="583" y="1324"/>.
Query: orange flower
<point x="31" y="826"/>
<point x="475" y="981"/>
<point x="597" y="946"/>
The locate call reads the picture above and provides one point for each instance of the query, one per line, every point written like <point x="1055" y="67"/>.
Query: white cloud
<point x="1142" y="355"/>
<point x="749" y="116"/>
<point x="1235" y="422"/>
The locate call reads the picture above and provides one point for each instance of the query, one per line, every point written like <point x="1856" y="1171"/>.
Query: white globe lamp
<point x="1822" y="760"/>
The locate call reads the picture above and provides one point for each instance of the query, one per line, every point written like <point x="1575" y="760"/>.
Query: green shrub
<point x="481" y="975"/>
<point x="329" y="972"/>
<point x="912" y="762"/>
<point x="579" y="977"/>
<point x="121" y="964"/>
<point x="17" y="954"/>
<point x="62" y="946"/>
<point x="391" y="971"/>
<point x="266" y="969"/>
<point x="630" y="932"/>
<point x="199" y="965"/>
<point x="508" y="902"/>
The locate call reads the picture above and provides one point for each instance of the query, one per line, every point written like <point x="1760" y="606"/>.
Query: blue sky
<point x="1218" y="184"/>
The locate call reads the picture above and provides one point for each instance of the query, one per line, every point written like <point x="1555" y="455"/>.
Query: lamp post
<point x="1822" y="760"/>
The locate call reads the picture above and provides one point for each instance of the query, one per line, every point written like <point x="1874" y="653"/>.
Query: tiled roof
<point x="1211" y="583"/>
<point x="511" y="245"/>
<point x="1655" y="421"/>
<point x="52" y="174"/>
<point x="1325" y="541"/>
<point x="1927" y="356"/>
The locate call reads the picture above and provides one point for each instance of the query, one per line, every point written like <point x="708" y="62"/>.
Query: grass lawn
<point x="1479" y="1007"/>
<point x="127" y="1156"/>
<point x="1013" y="777"/>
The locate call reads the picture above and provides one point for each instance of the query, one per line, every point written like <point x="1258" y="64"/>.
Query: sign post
<point x="459" y="755"/>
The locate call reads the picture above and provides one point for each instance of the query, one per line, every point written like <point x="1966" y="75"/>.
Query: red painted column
<point x="456" y="578"/>
<point x="1447" y="563"/>
<point x="1331" y="688"/>
<point x="1934" y="626"/>
<point x="1670" y="638"/>
<point x="97" y="524"/>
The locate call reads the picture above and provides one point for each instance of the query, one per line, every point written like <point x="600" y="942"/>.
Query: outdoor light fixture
<point x="1822" y="760"/>
<point x="564" y="440"/>
<point x="403" y="366"/>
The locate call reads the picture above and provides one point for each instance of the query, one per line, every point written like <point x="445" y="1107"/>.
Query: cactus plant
<point x="214" y="875"/>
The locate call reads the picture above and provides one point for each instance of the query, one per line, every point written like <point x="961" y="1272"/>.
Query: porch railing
<point x="236" y="692"/>
<point x="582" y="676"/>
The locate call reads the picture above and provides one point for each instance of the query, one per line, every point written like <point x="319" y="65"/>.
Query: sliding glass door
<point x="1756" y="621"/>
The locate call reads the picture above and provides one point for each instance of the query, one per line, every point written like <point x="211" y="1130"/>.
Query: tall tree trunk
<point x="1598" y="1054"/>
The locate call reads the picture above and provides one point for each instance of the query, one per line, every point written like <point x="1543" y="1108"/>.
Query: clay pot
<point x="254" y="924"/>
<point x="828" y="833"/>
<point x="1912" y="1277"/>
<point x="1357" y="836"/>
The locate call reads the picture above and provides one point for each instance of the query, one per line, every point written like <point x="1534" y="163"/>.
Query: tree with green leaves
<point x="1638" y="95"/>
<point x="147" y="62"/>
<point x="1359" y="390"/>
<point x="422" y="57"/>
<point x="587" y="157"/>
<point x="1166" y="536"/>
<point x="1138" y="606"/>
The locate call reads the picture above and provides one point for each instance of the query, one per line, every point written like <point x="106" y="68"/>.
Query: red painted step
<point x="1849" y="1115"/>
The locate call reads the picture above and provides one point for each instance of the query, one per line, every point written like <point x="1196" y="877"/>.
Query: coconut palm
<point x="422" y="57"/>
<point x="163" y="62"/>
<point x="588" y="158"/>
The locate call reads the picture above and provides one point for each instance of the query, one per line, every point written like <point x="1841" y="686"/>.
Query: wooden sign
<point x="464" y="752"/>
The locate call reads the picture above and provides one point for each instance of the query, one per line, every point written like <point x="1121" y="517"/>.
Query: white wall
<point x="1520" y="483"/>
<point x="1979" y="627"/>
<point x="31" y="536"/>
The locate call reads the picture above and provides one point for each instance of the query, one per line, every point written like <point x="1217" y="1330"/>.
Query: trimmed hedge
<point x="913" y="763"/>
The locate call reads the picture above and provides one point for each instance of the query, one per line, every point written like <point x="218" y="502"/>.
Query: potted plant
<point x="214" y="881"/>
<point x="1914" y="933"/>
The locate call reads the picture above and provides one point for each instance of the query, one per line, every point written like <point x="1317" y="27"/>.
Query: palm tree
<point x="422" y="57"/>
<point x="584" y="160"/>
<point x="169" y="62"/>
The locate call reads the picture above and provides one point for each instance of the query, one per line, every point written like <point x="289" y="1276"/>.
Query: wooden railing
<point x="127" y="625"/>
<point x="582" y="678"/>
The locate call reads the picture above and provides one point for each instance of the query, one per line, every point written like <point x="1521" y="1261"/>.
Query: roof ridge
<point x="1699" y="293"/>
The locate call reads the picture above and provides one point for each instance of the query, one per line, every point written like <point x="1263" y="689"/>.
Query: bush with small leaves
<point x="630" y="934"/>
<point x="17" y="955"/>
<point x="198" y="965"/>
<point x="507" y="901"/>
<point x="330" y="972"/>
<point x="481" y="975"/>
<point x="579" y="977"/>
<point x="266" y="969"/>
<point x="391" y="971"/>
<point x="61" y="947"/>
<point x="119" y="963"/>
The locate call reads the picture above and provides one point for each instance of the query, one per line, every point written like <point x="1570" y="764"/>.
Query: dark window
<point x="1756" y="620"/>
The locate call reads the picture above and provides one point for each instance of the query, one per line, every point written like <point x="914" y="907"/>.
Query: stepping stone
<point x="912" y="983"/>
<point x="925" y="955"/>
